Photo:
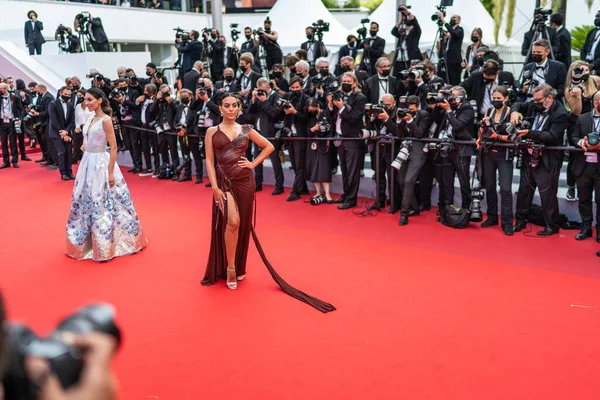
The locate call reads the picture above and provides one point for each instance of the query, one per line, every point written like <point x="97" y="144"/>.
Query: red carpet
<point x="424" y="311"/>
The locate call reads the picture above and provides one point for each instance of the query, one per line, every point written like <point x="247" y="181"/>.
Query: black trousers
<point x="454" y="71"/>
<point x="407" y="178"/>
<point x="100" y="46"/>
<point x="497" y="161"/>
<point x="7" y="133"/>
<point x="21" y="139"/>
<point x="456" y="165"/>
<point x="351" y="153"/>
<point x="133" y="143"/>
<point x="52" y="150"/>
<point x="571" y="178"/>
<point x="35" y="48"/>
<point x="275" y="161"/>
<point x="588" y="184"/>
<point x="76" y="144"/>
<point x="65" y="156"/>
<point x="333" y="153"/>
<point x="191" y="147"/>
<point x="42" y="139"/>
<point x="430" y="169"/>
<point x="546" y="180"/>
<point x="168" y="144"/>
<point x="149" y="142"/>
<point x="384" y="174"/>
<point x="297" y="151"/>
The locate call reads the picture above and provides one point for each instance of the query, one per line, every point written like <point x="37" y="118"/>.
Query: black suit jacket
<point x="454" y="52"/>
<point x="196" y="109"/>
<point x="462" y="127"/>
<point x="372" y="87"/>
<point x="192" y="52"/>
<point x="418" y="128"/>
<point x="344" y="51"/>
<point x="374" y="53"/>
<point x="318" y="48"/>
<point x="95" y="25"/>
<point x="412" y="42"/>
<point x="216" y="52"/>
<point x="564" y="47"/>
<point x="58" y="122"/>
<point x="552" y="37"/>
<point x="34" y="36"/>
<point x="552" y="133"/>
<point x="584" y="126"/>
<point x="43" y="102"/>
<point x="233" y="86"/>
<point x="556" y="75"/>
<point x="16" y="106"/>
<point x="475" y="84"/>
<point x="267" y="113"/>
<point x="587" y="47"/>
<point x="190" y="80"/>
<point x="301" y="118"/>
<point x="352" y="115"/>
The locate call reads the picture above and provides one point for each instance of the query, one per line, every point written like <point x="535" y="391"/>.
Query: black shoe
<point x="45" y="164"/>
<point x="346" y="206"/>
<point x="25" y="158"/>
<point x="597" y="235"/>
<point x="425" y="207"/>
<point x="277" y="191"/>
<point x="75" y="162"/>
<point x="489" y="222"/>
<point x="374" y="207"/>
<point x="259" y="188"/>
<point x="403" y="219"/>
<point x="392" y="210"/>
<point x="598" y="254"/>
<point x="52" y="168"/>
<point x="305" y="192"/>
<point x="15" y="165"/>
<point x="5" y="165"/>
<point x="40" y="160"/>
<point x="294" y="197"/>
<point x="136" y="171"/>
<point x="339" y="201"/>
<point x="548" y="232"/>
<point x="186" y="178"/>
<point x="71" y="177"/>
<point x="131" y="170"/>
<point x="508" y="230"/>
<point x="519" y="226"/>
<point x="65" y="177"/>
<point x="175" y="178"/>
<point x="584" y="234"/>
<point x="413" y="213"/>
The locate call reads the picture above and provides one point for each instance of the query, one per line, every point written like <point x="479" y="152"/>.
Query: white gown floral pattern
<point x="103" y="223"/>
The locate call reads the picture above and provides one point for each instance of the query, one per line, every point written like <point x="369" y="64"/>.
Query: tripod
<point x="538" y="31"/>
<point x="84" y="39"/>
<point x="443" y="64"/>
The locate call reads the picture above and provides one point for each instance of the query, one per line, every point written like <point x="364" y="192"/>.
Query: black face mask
<point x="345" y="68"/>
<point x="539" y="107"/>
<point x="243" y="69"/>
<point x="229" y="78"/>
<point x="65" y="98"/>
<point x="489" y="81"/>
<point x="267" y="30"/>
<point x="148" y="73"/>
<point x="585" y="77"/>
<point x="346" y="87"/>
<point x="76" y="87"/>
<point x="385" y="72"/>
<point x="352" y="44"/>
<point x="248" y="37"/>
<point x="480" y="61"/>
<point x="474" y="39"/>
<point x="309" y="36"/>
<point x="324" y="71"/>
<point x="185" y="100"/>
<point x="79" y="100"/>
<point x="537" y="58"/>
<point x="213" y="36"/>
<point x="373" y="33"/>
<point x="277" y="74"/>
<point x="453" y="22"/>
<point x="454" y="104"/>
<point x="498" y="104"/>
<point x="295" y="93"/>
<point x="597" y="22"/>
<point x="122" y="89"/>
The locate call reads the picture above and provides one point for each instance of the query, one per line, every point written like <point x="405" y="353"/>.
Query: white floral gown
<point x="102" y="223"/>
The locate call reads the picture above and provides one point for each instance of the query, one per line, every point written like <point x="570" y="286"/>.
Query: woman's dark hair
<point x="313" y="102"/>
<point x="99" y="95"/>
<point x="502" y="90"/>
<point x="20" y="84"/>
<point x="227" y="95"/>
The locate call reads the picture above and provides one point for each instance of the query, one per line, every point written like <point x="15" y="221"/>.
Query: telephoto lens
<point x="315" y="201"/>
<point x="593" y="138"/>
<point x="402" y="154"/>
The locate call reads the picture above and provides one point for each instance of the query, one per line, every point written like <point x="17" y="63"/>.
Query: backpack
<point x="455" y="217"/>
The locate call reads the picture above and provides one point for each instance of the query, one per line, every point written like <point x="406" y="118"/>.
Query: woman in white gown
<point x="102" y="223"/>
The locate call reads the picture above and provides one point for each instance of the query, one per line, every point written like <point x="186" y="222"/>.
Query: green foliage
<point x="489" y="6"/>
<point x="578" y="36"/>
<point x="370" y="4"/>
<point x="330" y="3"/>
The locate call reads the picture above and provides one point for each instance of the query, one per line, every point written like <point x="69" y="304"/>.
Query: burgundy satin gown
<point x="240" y="183"/>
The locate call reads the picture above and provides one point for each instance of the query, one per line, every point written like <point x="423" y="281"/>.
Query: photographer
<point x="550" y="120"/>
<point x="251" y="46"/>
<point x="323" y="82"/>
<point x="148" y="137"/>
<point x="164" y="110"/>
<point x="268" y="39"/>
<point x="33" y="34"/>
<point x="93" y="27"/>
<point x="154" y="76"/>
<point x="44" y="97"/>
<point x="451" y="48"/>
<point x="493" y="130"/>
<point x="347" y="115"/>
<point x="585" y="168"/>
<point x="590" y="51"/>
<point x="408" y="32"/>
<point x="266" y="113"/>
<point x="11" y="116"/>
<point x="457" y="124"/>
<point x="382" y="83"/>
<point x="296" y="120"/>
<point x="215" y="51"/>
<point x="247" y="83"/>
<point x="228" y="84"/>
<point x="543" y="71"/>
<point x="277" y="81"/>
<point x="470" y="63"/>
<point x="563" y="54"/>
<point x="579" y="90"/>
<point x="347" y="65"/>
<point x="347" y="50"/>
<point x="540" y="31"/>
<point x="191" y="51"/>
<point x="130" y="114"/>
<point x="374" y="48"/>
<point x="480" y="85"/>
<point x="315" y="49"/>
<point x="412" y="124"/>
<point x="318" y="160"/>
<point x="425" y="83"/>
<point x="383" y="121"/>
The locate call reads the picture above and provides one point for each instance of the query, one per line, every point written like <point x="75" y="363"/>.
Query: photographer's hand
<point x="515" y="118"/>
<point x="97" y="382"/>
<point x="445" y="105"/>
<point x="523" y="132"/>
<point x="383" y="115"/>
<point x="576" y="92"/>
<point x="338" y="103"/>
<point x="290" y="110"/>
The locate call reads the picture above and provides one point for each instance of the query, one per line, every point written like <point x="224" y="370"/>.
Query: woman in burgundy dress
<point x="234" y="200"/>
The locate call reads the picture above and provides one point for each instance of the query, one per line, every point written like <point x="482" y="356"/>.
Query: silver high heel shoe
<point x="231" y="285"/>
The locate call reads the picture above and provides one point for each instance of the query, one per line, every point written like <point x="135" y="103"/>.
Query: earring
<point x="221" y="114"/>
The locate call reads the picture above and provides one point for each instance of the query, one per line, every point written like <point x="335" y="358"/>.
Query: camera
<point x="577" y="77"/>
<point x="362" y="31"/>
<point x="441" y="8"/>
<point x="29" y="115"/>
<point x="282" y="130"/>
<point x="17" y="125"/>
<point x="65" y="360"/>
<point x="324" y="126"/>
<point x="414" y="75"/>
<point x="593" y="138"/>
<point x="235" y="34"/>
<point x="404" y="7"/>
<point x="512" y="130"/>
<point x="476" y="198"/>
<point x="182" y="34"/>
<point x="405" y="148"/>
<point x="261" y="92"/>
<point x="402" y="112"/>
<point x="373" y="110"/>
<point x="115" y="94"/>
<point x="445" y="146"/>
<point x="402" y="75"/>
<point x="156" y="126"/>
<point x="259" y="31"/>
<point x="61" y="31"/>
<point x="337" y="95"/>
<point x="283" y="104"/>
<point x="445" y="95"/>
<point x="320" y="26"/>
<point x="540" y="17"/>
<point x="535" y="150"/>
<point x="98" y="78"/>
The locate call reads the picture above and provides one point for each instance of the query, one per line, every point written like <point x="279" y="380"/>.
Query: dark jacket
<point x="300" y="119"/>
<point x="96" y="28"/>
<point x="372" y="87"/>
<point x="583" y="127"/>
<point x="476" y="87"/>
<point x="419" y="129"/>
<point x="192" y="52"/>
<point x="556" y="76"/>
<point x="587" y="47"/>
<point x="266" y="114"/>
<point x="454" y="52"/>
<point x="552" y="37"/>
<point x="16" y="106"/>
<point x="43" y="102"/>
<point x="352" y="115"/>
<point x="190" y="80"/>
<point x="412" y="42"/>
<point x="374" y="52"/>
<point x="564" y="47"/>
<point x="461" y="121"/>
<point x="164" y="112"/>
<point x="58" y="122"/>
<point x="318" y="48"/>
<point x="197" y="110"/>
<point x="33" y="36"/>
<point x="343" y="52"/>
